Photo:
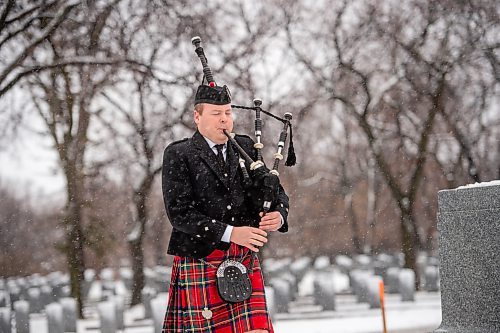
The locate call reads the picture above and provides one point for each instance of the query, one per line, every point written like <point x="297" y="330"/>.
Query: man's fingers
<point x="270" y="222"/>
<point x="256" y="243"/>
<point x="260" y="239"/>
<point x="253" y="248"/>
<point x="259" y="232"/>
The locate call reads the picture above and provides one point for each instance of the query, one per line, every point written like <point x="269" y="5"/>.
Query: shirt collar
<point x="213" y="144"/>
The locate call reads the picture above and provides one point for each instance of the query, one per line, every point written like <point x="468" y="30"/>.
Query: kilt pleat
<point x="193" y="288"/>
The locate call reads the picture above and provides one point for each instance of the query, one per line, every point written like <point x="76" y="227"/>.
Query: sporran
<point x="233" y="282"/>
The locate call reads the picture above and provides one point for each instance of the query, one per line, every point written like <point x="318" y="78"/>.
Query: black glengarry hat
<point x="212" y="94"/>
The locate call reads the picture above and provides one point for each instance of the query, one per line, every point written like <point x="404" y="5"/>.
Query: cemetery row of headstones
<point x="22" y="296"/>
<point x="363" y="272"/>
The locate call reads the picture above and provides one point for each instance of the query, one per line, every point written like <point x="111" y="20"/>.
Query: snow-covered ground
<point x="423" y="315"/>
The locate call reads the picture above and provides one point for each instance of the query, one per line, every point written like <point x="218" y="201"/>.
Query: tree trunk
<point x="75" y="237"/>
<point x="410" y="244"/>
<point x="135" y="245"/>
<point x="137" y="256"/>
<point x="349" y="211"/>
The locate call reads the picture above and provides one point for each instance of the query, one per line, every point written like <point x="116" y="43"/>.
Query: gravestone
<point x="282" y="294"/>
<point x="4" y="299"/>
<point x="147" y="294"/>
<point x="391" y="280"/>
<point x="469" y="252"/>
<point x="69" y="309"/>
<point x="89" y="278"/>
<point x="373" y="293"/>
<point x="324" y="289"/>
<point x="5" y="320"/>
<point x="36" y="305"/>
<point x="321" y="262"/>
<point x="54" y="312"/>
<point x="300" y="267"/>
<point x="46" y="296"/>
<point x="407" y="285"/>
<point x="107" y="276"/>
<point x="270" y="300"/>
<point x="344" y="263"/>
<point x="126" y="275"/>
<point x="107" y="316"/>
<point x="159" y="306"/>
<point x="22" y="309"/>
<point x="119" y="302"/>
<point x="431" y="278"/>
<point x="162" y="277"/>
<point x="359" y="286"/>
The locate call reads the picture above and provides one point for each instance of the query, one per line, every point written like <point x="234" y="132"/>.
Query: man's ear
<point x="196" y="117"/>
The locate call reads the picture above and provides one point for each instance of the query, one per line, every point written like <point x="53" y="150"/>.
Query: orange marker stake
<point x="382" y="303"/>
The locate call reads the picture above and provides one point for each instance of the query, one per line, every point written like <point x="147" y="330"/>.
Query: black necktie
<point x="220" y="156"/>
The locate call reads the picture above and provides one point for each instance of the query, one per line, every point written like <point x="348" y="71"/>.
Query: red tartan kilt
<point x="193" y="287"/>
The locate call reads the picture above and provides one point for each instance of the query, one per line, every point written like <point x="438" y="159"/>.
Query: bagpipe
<point x="263" y="183"/>
<point x="260" y="182"/>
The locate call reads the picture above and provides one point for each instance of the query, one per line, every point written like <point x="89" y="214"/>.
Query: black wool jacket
<point x="201" y="198"/>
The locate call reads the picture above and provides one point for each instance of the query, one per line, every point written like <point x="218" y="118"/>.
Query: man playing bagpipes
<point x="211" y="200"/>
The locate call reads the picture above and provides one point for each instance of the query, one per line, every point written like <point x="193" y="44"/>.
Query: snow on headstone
<point x="381" y="264"/>
<point x="275" y="267"/>
<point x="321" y="262"/>
<point x="120" y="288"/>
<point x="107" y="316"/>
<point x="35" y="280"/>
<point x="89" y="278"/>
<point x="373" y="283"/>
<point x="147" y="295"/>
<point x="22" y="309"/>
<point x="95" y="291"/>
<point x="107" y="279"/>
<point x="162" y="277"/>
<point x="54" y="312"/>
<point x="324" y="289"/>
<point x="282" y="294"/>
<point x="36" y="305"/>
<point x="363" y="261"/>
<point x="392" y="280"/>
<point x="344" y="263"/>
<point x="69" y="307"/>
<point x="126" y="274"/>
<point x="407" y="285"/>
<point x="300" y="266"/>
<point x="158" y="306"/>
<point x="5" y="320"/>
<point x="46" y="296"/>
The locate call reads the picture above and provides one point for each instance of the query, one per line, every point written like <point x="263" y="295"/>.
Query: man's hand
<point x="249" y="237"/>
<point x="270" y="222"/>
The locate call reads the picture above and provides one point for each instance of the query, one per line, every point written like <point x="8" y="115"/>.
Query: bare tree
<point x="24" y="26"/>
<point x="64" y="97"/>
<point x="390" y="81"/>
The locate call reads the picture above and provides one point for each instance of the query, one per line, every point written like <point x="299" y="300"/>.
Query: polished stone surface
<point x="469" y="250"/>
